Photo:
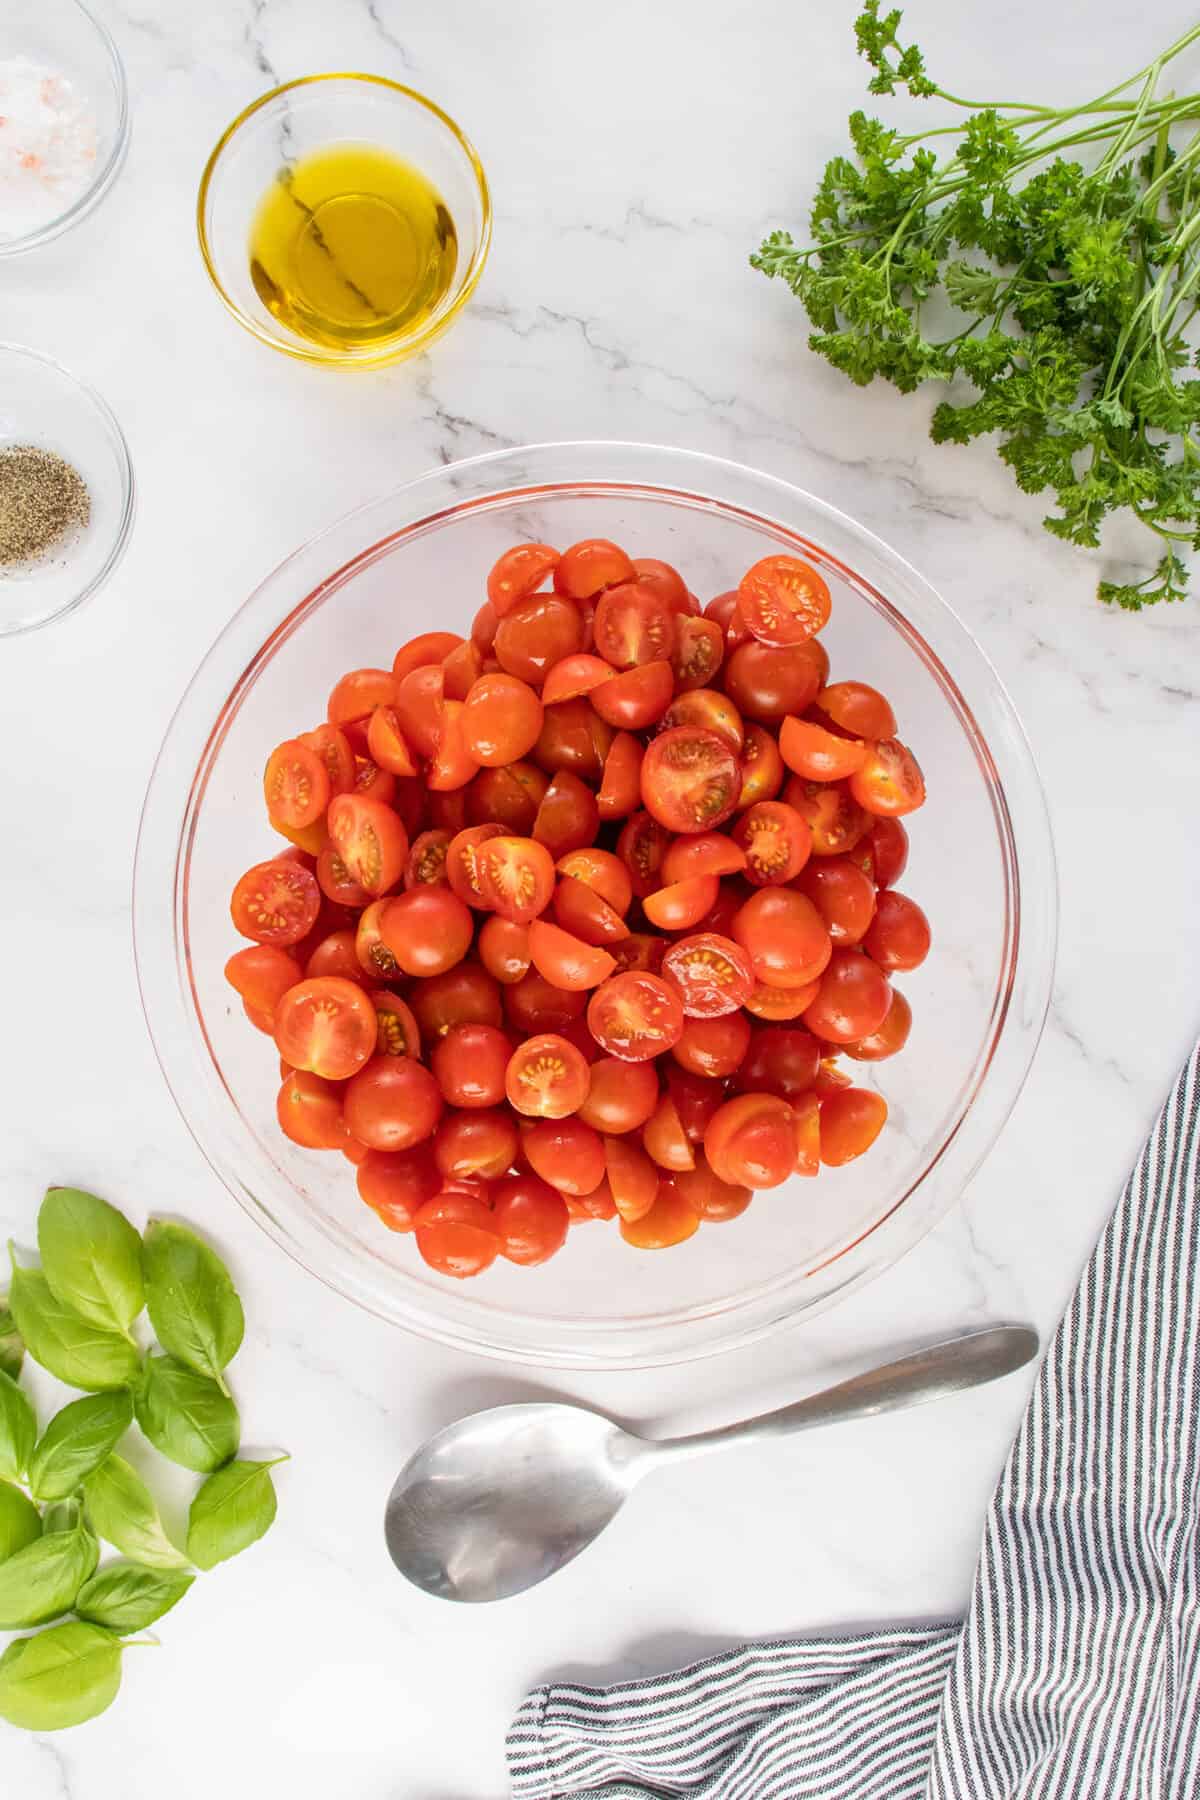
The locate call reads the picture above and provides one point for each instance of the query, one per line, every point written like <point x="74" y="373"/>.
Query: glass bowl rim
<point x="163" y="858"/>
<point x="313" y="353"/>
<point x="107" y="174"/>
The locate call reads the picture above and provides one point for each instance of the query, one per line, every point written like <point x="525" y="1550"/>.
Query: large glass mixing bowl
<point x="982" y="863"/>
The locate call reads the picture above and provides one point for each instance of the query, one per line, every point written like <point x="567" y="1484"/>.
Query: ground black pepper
<point x="42" y="500"/>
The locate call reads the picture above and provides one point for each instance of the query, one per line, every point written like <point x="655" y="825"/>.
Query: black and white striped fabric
<point x="1076" y="1675"/>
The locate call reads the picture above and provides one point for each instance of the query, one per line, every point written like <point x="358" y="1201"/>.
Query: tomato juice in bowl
<point x="982" y="845"/>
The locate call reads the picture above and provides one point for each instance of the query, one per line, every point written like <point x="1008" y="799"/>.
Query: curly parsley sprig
<point x="1065" y="292"/>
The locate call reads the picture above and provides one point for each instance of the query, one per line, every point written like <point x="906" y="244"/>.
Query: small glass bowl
<point x="43" y="404"/>
<point x="62" y="34"/>
<point x="311" y="114"/>
<point x="982" y="861"/>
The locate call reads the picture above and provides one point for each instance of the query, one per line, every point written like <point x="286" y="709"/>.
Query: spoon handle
<point x="930" y="1374"/>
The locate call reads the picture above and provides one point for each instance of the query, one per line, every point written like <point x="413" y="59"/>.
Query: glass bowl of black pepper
<point x="66" y="490"/>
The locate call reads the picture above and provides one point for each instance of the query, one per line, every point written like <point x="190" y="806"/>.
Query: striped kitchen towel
<point x="1076" y="1674"/>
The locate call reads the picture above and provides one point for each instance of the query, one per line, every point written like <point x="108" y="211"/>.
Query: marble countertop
<point x="637" y="153"/>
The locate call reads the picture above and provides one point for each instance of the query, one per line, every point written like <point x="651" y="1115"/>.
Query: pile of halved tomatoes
<point x="582" y="909"/>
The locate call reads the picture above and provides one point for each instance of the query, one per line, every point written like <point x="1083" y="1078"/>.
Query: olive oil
<point x="352" y="247"/>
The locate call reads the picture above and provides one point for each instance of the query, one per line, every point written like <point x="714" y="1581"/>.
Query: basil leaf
<point x="78" y="1352"/>
<point x="121" y="1508"/>
<point x="186" y="1416"/>
<point x="62" y="1515"/>
<point x="42" y="1580"/>
<point x="231" y="1511"/>
<point x="76" y="1441"/>
<point x="91" y="1257"/>
<point x="60" y="1677"/>
<point x="193" y="1304"/>
<point x="18" y="1428"/>
<point x="12" y="1350"/>
<point x="127" y="1596"/>
<point x="20" y="1520"/>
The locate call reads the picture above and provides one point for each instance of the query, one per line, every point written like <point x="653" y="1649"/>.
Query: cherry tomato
<point x="447" y="810"/>
<point x="534" y="1004"/>
<point x="713" y="1047"/>
<point x="851" y="1120"/>
<point x="806" y="1114"/>
<point x="712" y="974"/>
<point x="852" y="1001"/>
<point x="707" y="710"/>
<point x="335" y="880"/>
<point x="621" y="784"/>
<point x="634" y="625"/>
<point x="507" y="798"/>
<point x="635" y="1016"/>
<point x="429" y="647"/>
<point x="830" y="1079"/>
<point x="427" y="860"/>
<point x="785" y="937"/>
<point x="370" y="840"/>
<point x="889" y="850"/>
<point x="276" y="903"/>
<point x="661" y="579"/>
<point x="889" y="782"/>
<point x="333" y="748"/>
<point x="504" y="948"/>
<point x="766" y="684"/>
<point x="335" y="954"/>
<point x="547" y="1078"/>
<point x="724" y="611"/>
<point x="622" y="1095"/>
<point x="696" y="1099"/>
<point x="392" y="1102"/>
<point x="535" y="634"/>
<point x="891" y="1036"/>
<point x="640" y="950"/>
<point x="817" y="754"/>
<point x="707" y="853"/>
<point x="373" y="783"/>
<point x="461" y="669"/>
<point x="566" y="961"/>
<point x="357" y="695"/>
<point x="776" y="1004"/>
<point x="842" y="895"/>
<point x="899" y="934"/>
<point x="519" y="573"/>
<point x="582" y="912"/>
<point x="589" y="566"/>
<point x="516" y="877"/>
<point x="296" y="786"/>
<point x="469" y="1064"/>
<point x="452" y="764"/>
<point x="783" y="600"/>
<point x="397" y="1033"/>
<point x="470" y="1144"/>
<point x="575" y="676"/>
<point x="420" y="707"/>
<point x="699" y="652"/>
<point x="567" y="818"/>
<point x="386" y="742"/>
<point x="373" y="954"/>
<point x="642" y="846"/>
<point x="636" y="698"/>
<point x="836" y="820"/>
<point x="682" y="904"/>
<point x="782" y="1060"/>
<point x="776" y="840"/>
<point x="309" y="1111"/>
<point x="671" y="1219"/>
<point x="531" y="1218"/>
<point x="751" y="1141"/>
<point x="565" y="1152"/>
<point x="664" y="1139"/>
<point x="596" y="1205"/>
<point x="462" y="862"/>
<point x="397" y="1183"/>
<point x="690" y="779"/>
<point x="502" y="720"/>
<point x="465" y="994"/>
<point x="632" y="1177"/>
<point x="709" y="1197"/>
<point x="262" y="975"/>
<point x="861" y="710"/>
<point x="483" y="628"/>
<point x="427" y="930"/>
<point x="573" y="737"/>
<point x="327" y="1026"/>
<point x="456" y="1234"/>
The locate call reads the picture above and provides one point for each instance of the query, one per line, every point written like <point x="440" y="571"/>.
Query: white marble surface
<point x="637" y="153"/>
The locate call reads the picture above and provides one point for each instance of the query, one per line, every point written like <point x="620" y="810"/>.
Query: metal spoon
<point x="497" y="1502"/>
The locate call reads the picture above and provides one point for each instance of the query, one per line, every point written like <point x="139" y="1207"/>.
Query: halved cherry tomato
<point x="566" y="961"/>
<point x="834" y="817"/>
<point x="462" y="862"/>
<point x="483" y="628"/>
<point x="596" y="1205"/>
<point x="635" y="698"/>
<point x="766" y="684"/>
<point x="336" y="954"/>
<point x="373" y="954"/>
<point x="861" y="710"/>
<point x="633" y="625"/>
<point x="357" y="695"/>
<point x="888" y="841"/>
<point x="547" y="1078"/>
<point x="899" y="934"/>
<point x="336" y="882"/>
<point x="427" y="860"/>
<point x="709" y="1197"/>
<point x="706" y="853"/>
<point x="531" y="1217"/>
<point x="785" y="937"/>
<point x="452" y="764"/>
<point x="806" y="1111"/>
<point x="397" y="1183"/>
<point x="696" y="1098"/>
<point x="582" y="912"/>
<point x="575" y="676"/>
<point x="642" y="846"/>
<point x="843" y="896"/>
<point x="519" y="573"/>
<point x="386" y="742"/>
<point x="781" y="1059"/>
<point x="469" y="1144"/>
<point x="831" y="1079"/>
<point x="707" y="710"/>
<point x="751" y="1141"/>
<point x="632" y="1177"/>
<point x="681" y="904"/>
<point x="397" y="1033"/>
<point x="309" y="1111"/>
<point x="370" y="839"/>
<point x="516" y="877"/>
<point x="852" y="1001"/>
<point x="699" y="652"/>
<point x="469" y="1063"/>
<point x="420" y="707"/>
<point x="891" y="1036"/>
<point x="327" y="1026"/>
<point x="776" y="840"/>
<point x="534" y="1005"/>
<point x="262" y="975"/>
<point x="665" y="581"/>
<point x="392" y="1103"/>
<point x="890" y="781"/>
<point x="502" y="720"/>
<point x="724" y="611"/>
<point x="713" y="1047"/>
<point x="461" y="669"/>
<point x="851" y="1120"/>
<point x="589" y="566"/>
<point x="447" y="810"/>
<point x="456" y="1234"/>
<point x="635" y="1016"/>
<point x="566" y="1153"/>
<point x="621" y="786"/>
<point x="419" y="652"/>
<point x="573" y="737"/>
<point x="817" y="754"/>
<point x="640" y="950"/>
<point x="373" y="783"/>
<point x="427" y="930"/>
<point x="504" y="948"/>
<point x="602" y="871"/>
<point x="761" y="766"/>
<point x="783" y="600"/>
<point x="690" y="779"/>
<point x="671" y="1219"/>
<point x="333" y="748"/>
<point x="466" y="993"/>
<point x="296" y="786"/>
<point x="664" y="1139"/>
<point x="276" y="902"/>
<point x="622" y="1095"/>
<point x="712" y="974"/>
<point x="508" y="798"/>
<point x="778" y="1004"/>
<point x="567" y="818"/>
<point x="535" y="634"/>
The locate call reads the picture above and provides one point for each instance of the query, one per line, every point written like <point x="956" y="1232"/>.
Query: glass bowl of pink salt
<point x="64" y="119"/>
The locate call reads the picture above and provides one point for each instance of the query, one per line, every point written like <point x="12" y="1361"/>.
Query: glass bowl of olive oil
<point x="344" y="219"/>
